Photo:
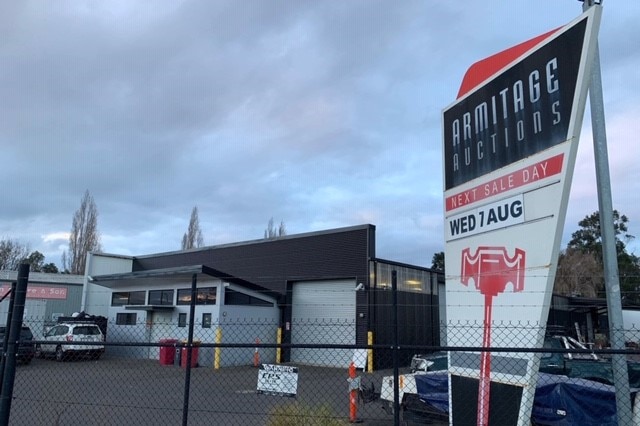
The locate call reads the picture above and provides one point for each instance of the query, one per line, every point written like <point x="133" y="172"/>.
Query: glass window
<point x="206" y="320"/>
<point x="232" y="297"/>
<point x="182" y="320"/>
<point x="86" y="330"/>
<point x="126" y="318"/>
<point x="204" y="296"/>
<point x="184" y="296"/>
<point x="161" y="297"/>
<point x="119" y="298"/>
<point x="137" y="297"/>
<point x="408" y="279"/>
<point x="122" y="298"/>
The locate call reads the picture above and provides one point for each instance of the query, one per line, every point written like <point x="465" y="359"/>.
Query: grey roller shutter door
<point x="323" y="312"/>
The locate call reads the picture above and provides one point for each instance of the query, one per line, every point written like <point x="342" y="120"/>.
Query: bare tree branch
<point x="84" y="236"/>
<point x="193" y="237"/>
<point x="12" y="253"/>
<point x="271" y="232"/>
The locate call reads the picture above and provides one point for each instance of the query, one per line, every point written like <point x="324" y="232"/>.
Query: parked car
<point x="582" y="365"/>
<point x="26" y="348"/>
<point x="73" y="340"/>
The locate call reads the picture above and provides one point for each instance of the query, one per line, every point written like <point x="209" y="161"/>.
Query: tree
<point x="587" y="240"/>
<point x="579" y="274"/>
<point x="272" y="233"/>
<point x="437" y="261"/>
<point x="12" y="253"/>
<point x="36" y="260"/>
<point x="193" y="237"/>
<point x="84" y="236"/>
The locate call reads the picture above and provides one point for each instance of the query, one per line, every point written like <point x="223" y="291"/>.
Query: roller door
<point x="323" y="312"/>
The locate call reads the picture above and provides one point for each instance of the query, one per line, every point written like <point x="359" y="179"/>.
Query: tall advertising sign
<point x="510" y="143"/>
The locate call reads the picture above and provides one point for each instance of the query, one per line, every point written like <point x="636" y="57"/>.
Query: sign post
<point x="609" y="255"/>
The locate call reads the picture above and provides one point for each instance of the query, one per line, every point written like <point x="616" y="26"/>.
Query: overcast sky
<point x="321" y="114"/>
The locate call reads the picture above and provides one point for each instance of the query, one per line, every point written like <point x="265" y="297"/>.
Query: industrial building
<point x="318" y="288"/>
<point x="49" y="296"/>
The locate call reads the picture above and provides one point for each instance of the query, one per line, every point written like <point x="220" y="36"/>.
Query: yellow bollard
<point x="279" y="341"/>
<point x="370" y="350"/>
<point x="216" y="351"/>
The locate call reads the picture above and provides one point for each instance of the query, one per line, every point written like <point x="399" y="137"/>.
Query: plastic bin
<point x="167" y="353"/>
<point x="194" y="354"/>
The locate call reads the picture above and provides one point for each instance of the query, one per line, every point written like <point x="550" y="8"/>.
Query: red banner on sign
<point x="40" y="292"/>
<point x="530" y="174"/>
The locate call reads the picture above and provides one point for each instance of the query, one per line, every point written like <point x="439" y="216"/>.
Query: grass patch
<point x="299" y="414"/>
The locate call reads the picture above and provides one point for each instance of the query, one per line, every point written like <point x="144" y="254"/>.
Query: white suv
<point x="71" y="339"/>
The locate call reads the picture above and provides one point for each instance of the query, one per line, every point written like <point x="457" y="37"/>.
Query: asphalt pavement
<point x="124" y="391"/>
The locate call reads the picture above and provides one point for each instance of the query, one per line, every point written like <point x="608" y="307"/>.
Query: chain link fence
<point x="240" y="373"/>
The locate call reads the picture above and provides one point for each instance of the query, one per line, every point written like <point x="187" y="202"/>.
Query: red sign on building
<point x="39" y="292"/>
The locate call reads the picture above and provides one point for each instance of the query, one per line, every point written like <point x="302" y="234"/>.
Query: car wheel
<point x="59" y="354"/>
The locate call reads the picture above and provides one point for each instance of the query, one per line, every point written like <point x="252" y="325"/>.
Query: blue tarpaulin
<point x="559" y="400"/>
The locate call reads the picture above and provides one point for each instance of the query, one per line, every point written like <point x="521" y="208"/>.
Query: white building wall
<point x="236" y="324"/>
<point x="96" y="299"/>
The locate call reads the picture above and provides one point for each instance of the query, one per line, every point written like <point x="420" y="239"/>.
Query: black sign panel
<point x="521" y="112"/>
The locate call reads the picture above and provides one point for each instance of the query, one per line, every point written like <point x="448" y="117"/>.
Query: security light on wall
<point x="359" y="287"/>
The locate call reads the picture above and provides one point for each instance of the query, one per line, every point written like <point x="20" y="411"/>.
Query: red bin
<point x="194" y="354"/>
<point x="167" y="353"/>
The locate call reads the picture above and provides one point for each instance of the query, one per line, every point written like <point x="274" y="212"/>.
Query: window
<point x="204" y="296"/>
<point x="126" y="318"/>
<point x="232" y="297"/>
<point x="408" y="279"/>
<point x="88" y="330"/>
<point x="59" y="330"/>
<point x="122" y="298"/>
<point x="182" y="320"/>
<point x="161" y="297"/>
<point x="206" y="320"/>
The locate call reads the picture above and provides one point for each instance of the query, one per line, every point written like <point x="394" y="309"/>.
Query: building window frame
<point x="161" y="297"/>
<point x="182" y="319"/>
<point x="206" y="320"/>
<point x="123" y="298"/>
<point x="126" y="318"/>
<point x="204" y="296"/>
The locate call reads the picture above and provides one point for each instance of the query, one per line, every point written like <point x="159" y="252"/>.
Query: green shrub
<point x="298" y="414"/>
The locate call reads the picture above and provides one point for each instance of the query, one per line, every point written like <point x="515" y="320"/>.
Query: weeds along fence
<point x="240" y="373"/>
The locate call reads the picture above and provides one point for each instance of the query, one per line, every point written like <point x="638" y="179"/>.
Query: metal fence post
<point x="394" y="352"/>
<point x="9" y="373"/>
<point x="187" y="375"/>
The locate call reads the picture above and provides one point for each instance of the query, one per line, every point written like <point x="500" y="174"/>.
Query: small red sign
<point x="39" y="292"/>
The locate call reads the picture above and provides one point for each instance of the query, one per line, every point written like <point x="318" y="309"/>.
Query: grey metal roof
<point x="153" y="277"/>
<point x="43" y="278"/>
